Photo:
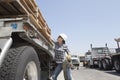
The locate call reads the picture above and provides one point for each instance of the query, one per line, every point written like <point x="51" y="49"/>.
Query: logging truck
<point x="26" y="47"/>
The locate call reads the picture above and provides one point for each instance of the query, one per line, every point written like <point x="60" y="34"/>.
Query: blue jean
<point x="69" y="73"/>
<point x="57" y="71"/>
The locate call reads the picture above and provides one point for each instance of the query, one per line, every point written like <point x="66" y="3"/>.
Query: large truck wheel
<point x="117" y="65"/>
<point x="20" y="64"/>
<point x="89" y="65"/>
<point x="100" y="65"/>
<point x="84" y="64"/>
<point x="104" y="63"/>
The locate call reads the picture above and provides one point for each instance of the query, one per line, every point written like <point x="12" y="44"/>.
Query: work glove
<point x="68" y="57"/>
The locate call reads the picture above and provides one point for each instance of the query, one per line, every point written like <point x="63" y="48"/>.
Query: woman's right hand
<point x="68" y="57"/>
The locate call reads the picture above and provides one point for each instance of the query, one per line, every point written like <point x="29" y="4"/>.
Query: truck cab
<point x="100" y="57"/>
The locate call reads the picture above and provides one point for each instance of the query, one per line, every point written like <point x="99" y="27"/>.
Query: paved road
<point x="92" y="74"/>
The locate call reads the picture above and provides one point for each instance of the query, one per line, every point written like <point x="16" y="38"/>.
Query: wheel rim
<point x="31" y="72"/>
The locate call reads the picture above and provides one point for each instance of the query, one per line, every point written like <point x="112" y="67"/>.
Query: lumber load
<point x="23" y="8"/>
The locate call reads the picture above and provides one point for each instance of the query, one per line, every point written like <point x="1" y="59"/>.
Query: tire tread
<point x="9" y="64"/>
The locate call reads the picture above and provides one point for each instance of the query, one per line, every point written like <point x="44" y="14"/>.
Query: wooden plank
<point x="41" y="30"/>
<point x="48" y="29"/>
<point x="9" y="8"/>
<point x="41" y="21"/>
<point x="46" y="35"/>
<point x="34" y="3"/>
<point x="27" y="7"/>
<point x="44" y="31"/>
<point x="12" y="7"/>
<point x="19" y="7"/>
<point x="3" y="11"/>
<point x="3" y="5"/>
<point x="40" y="24"/>
<point x="34" y="21"/>
<point x="13" y="16"/>
<point x="45" y="26"/>
<point x="31" y="4"/>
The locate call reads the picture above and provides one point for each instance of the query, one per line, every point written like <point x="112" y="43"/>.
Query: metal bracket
<point x="4" y="49"/>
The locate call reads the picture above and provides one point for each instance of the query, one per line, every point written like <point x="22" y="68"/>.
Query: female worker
<point x="60" y="57"/>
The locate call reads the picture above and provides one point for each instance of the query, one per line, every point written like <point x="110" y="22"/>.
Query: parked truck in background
<point x="116" y="57"/>
<point x="105" y="58"/>
<point x="26" y="47"/>
<point x="111" y="59"/>
<point x="75" y="61"/>
<point x="88" y="57"/>
<point x="99" y="57"/>
<point x="82" y="58"/>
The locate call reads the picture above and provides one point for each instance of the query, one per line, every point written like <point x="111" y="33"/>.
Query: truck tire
<point x="20" y="63"/>
<point x="100" y="65"/>
<point x="106" y="64"/>
<point x="117" y="65"/>
<point x="78" y="67"/>
<point x="89" y="65"/>
<point x="83" y="64"/>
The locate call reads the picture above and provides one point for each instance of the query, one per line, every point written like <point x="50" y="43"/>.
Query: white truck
<point x="110" y="58"/>
<point x="26" y="47"/>
<point x="99" y="57"/>
<point x="75" y="61"/>
<point x="105" y="58"/>
<point x="88" y="58"/>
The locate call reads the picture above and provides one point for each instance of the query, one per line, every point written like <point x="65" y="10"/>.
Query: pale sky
<point x="84" y="21"/>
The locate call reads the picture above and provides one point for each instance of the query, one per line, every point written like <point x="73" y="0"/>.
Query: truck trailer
<point x="26" y="46"/>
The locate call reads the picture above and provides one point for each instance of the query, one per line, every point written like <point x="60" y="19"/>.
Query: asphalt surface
<point x="92" y="74"/>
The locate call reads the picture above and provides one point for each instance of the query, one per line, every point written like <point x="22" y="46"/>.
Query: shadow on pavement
<point x="113" y="73"/>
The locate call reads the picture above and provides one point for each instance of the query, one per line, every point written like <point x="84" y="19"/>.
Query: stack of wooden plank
<point x="22" y="8"/>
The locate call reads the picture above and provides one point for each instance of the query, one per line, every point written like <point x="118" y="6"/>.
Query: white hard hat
<point x="64" y="36"/>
